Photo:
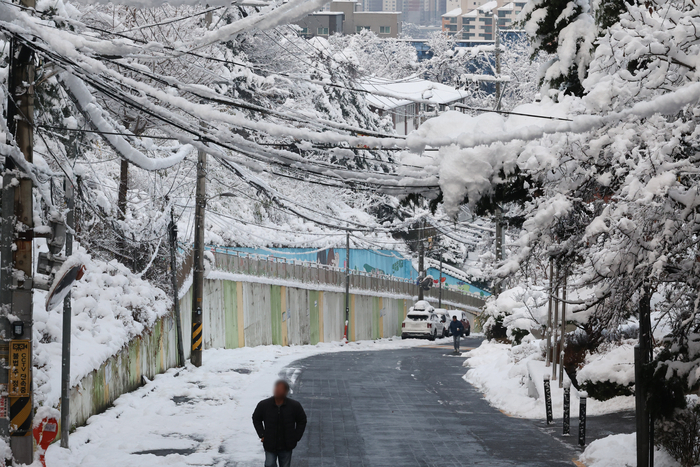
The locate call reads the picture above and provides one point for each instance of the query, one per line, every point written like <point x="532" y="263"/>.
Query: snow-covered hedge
<point x="609" y="372"/>
<point x="111" y="306"/>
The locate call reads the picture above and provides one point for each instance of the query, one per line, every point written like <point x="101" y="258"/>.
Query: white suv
<point x="422" y="321"/>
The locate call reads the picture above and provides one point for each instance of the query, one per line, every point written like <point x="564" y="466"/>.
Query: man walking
<point x="456" y="328"/>
<point x="280" y="423"/>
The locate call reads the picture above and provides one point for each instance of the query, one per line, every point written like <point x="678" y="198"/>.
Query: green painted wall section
<point x="230" y="292"/>
<point x="376" y="333"/>
<point x="276" y="314"/>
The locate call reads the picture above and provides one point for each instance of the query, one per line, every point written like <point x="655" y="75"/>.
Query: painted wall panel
<point x="314" y="328"/>
<point x="230" y="309"/>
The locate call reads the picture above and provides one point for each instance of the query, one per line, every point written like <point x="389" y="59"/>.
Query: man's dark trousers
<point x="284" y="458"/>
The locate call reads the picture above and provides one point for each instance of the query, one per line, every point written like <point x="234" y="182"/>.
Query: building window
<point x="520" y="5"/>
<point x="384" y="29"/>
<point x="360" y="28"/>
<point x="453" y="20"/>
<point x="322" y="31"/>
<point x="503" y="14"/>
<point x="304" y="31"/>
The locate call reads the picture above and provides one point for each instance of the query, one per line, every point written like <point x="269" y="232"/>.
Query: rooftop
<point x="488" y="6"/>
<point x="452" y="13"/>
<point x="391" y="95"/>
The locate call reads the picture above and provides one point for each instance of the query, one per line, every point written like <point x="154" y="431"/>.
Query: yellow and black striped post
<point x="196" y="337"/>
<point x="20" y="416"/>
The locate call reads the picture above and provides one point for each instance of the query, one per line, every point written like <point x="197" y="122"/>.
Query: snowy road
<point x="384" y="404"/>
<point x="410" y="407"/>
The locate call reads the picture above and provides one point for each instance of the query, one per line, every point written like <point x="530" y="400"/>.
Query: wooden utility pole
<point x="198" y="273"/>
<point x="198" y="269"/>
<point x="20" y="116"/>
<point x="172" y="235"/>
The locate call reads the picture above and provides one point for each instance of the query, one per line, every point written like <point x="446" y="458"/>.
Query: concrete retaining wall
<point x="237" y="314"/>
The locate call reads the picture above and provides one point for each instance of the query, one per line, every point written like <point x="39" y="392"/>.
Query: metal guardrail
<point x="315" y="273"/>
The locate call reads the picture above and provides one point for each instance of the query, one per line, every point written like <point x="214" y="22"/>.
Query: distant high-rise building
<point x="474" y="19"/>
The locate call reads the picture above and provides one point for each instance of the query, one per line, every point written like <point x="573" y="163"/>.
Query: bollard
<point x="567" y="406"/>
<point x="548" y="399"/>
<point x="582" y="420"/>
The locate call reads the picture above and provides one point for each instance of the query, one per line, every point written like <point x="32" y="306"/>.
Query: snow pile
<point x="620" y="451"/>
<point x="511" y="379"/>
<point x="202" y="415"/>
<point x="615" y="365"/>
<point x="111" y="306"/>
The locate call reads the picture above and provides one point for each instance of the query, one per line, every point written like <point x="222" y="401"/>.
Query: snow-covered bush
<point x="513" y="314"/>
<point x="609" y="372"/>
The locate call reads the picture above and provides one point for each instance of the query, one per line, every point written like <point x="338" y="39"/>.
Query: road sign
<point x="20" y="368"/>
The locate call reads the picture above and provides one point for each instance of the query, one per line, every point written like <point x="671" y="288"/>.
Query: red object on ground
<point x="44" y="434"/>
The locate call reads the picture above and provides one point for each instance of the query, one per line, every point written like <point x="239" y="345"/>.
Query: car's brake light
<point x="430" y="325"/>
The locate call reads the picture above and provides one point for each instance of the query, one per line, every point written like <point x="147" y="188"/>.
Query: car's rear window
<point x="418" y="317"/>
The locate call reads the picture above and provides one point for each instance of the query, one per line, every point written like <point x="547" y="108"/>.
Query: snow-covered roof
<point x="508" y="6"/>
<point x="327" y="13"/>
<point x="453" y="13"/>
<point x="377" y="12"/>
<point x="488" y="6"/>
<point x="471" y="14"/>
<point x="391" y="95"/>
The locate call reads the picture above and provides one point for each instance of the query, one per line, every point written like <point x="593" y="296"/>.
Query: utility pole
<point x="67" y="317"/>
<point x="563" y="330"/>
<point x="198" y="270"/>
<point x="440" y="283"/>
<point x="421" y="254"/>
<point x="347" y="285"/>
<point x="548" y="331"/>
<point x="18" y="273"/>
<point x="172" y="234"/>
<point x="643" y="354"/>
<point x="555" y="326"/>
<point x="198" y="273"/>
<point x="499" y="246"/>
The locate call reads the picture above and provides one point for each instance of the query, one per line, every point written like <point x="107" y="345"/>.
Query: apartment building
<point x="347" y="17"/>
<point x="474" y="19"/>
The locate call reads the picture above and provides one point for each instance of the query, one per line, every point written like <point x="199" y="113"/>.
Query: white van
<point x="422" y="321"/>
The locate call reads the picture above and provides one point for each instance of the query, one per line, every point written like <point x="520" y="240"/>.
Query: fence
<point x="315" y="273"/>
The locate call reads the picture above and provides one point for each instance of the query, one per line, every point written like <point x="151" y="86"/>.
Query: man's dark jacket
<point x="281" y="427"/>
<point x="456" y="327"/>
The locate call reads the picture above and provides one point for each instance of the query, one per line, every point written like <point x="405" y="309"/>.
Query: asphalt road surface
<point x="411" y="407"/>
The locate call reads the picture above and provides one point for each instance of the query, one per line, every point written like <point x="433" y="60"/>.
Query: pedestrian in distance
<point x="280" y="423"/>
<point x="456" y="328"/>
